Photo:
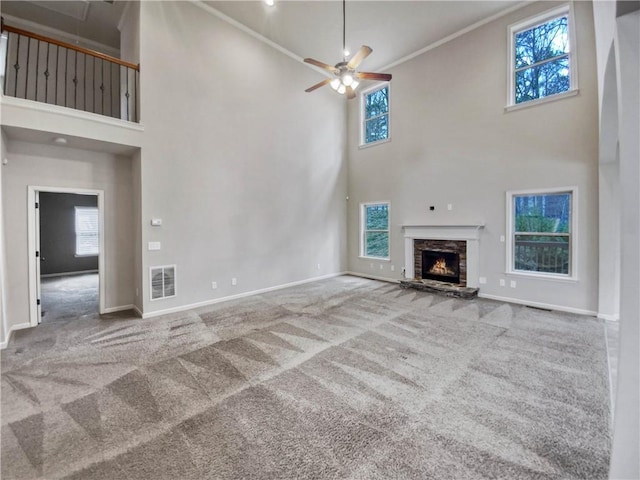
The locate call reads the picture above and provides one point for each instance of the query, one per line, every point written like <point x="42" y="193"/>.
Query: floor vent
<point x="163" y="282"/>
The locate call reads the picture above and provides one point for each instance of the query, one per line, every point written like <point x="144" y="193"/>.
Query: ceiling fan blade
<point x="385" y="77"/>
<point x="351" y="93"/>
<point x="318" y="85"/>
<point x="360" y="55"/>
<point x="321" y="65"/>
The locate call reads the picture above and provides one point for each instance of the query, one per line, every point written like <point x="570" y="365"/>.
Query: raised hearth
<point x="443" y="258"/>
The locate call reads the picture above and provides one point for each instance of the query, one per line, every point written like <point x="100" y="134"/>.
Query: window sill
<point x="373" y="144"/>
<point x="542" y="276"/>
<point x="380" y="259"/>
<point x="540" y="101"/>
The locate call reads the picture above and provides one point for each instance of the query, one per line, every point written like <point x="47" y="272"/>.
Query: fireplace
<point x="440" y="260"/>
<point x="441" y="266"/>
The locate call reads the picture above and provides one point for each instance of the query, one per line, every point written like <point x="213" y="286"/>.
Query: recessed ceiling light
<point x="271" y="3"/>
<point x="60" y="141"/>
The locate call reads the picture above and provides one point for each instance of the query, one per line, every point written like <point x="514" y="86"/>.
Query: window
<point x="374" y="220"/>
<point x="87" y="241"/>
<point x="375" y="115"/>
<point x="542" y="61"/>
<point x="541" y="232"/>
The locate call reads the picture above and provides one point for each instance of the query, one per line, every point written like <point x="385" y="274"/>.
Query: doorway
<point x="66" y="268"/>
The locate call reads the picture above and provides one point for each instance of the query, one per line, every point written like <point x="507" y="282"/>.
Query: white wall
<point x="452" y="142"/>
<point x="4" y="330"/>
<point x="52" y="166"/>
<point x="245" y="169"/>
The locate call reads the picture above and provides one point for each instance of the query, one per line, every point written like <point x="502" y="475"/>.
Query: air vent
<point x="163" y="282"/>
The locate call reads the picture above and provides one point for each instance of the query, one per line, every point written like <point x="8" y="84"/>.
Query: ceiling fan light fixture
<point x="347" y="79"/>
<point x="335" y="83"/>
<point x="342" y="89"/>
<point x="355" y="84"/>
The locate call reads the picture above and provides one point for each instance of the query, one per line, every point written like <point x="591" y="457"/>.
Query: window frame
<point x="363" y="230"/>
<point x="363" y="119"/>
<point x="76" y="233"/>
<point x="532" y="22"/>
<point x="572" y="276"/>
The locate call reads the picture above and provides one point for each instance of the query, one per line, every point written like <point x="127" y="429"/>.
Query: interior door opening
<point x="67" y="259"/>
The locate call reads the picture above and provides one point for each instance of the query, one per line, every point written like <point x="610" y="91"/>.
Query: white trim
<point x="573" y="234"/>
<point x="469" y="232"/>
<point x="60" y="35"/>
<point x="373" y="277"/>
<point x="253" y="33"/>
<point x="362" y="229"/>
<point x="34" y="280"/>
<point x="137" y="311"/>
<point x="548" y="306"/>
<point x="182" y="308"/>
<point x="540" y="101"/>
<point x="120" y="308"/>
<point x="532" y="22"/>
<point x="457" y="34"/>
<point x="363" y="121"/>
<point x="609" y="375"/>
<point x="70" y="112"/>
<point x="609" y="317"/>
<point x="20" y="326"/>
<point x="64" y="274"/>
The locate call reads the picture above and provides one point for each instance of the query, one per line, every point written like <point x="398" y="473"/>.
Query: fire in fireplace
<point x="441" y="266"/>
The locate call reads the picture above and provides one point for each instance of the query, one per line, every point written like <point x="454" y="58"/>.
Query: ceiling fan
<point x="346" y="77"/>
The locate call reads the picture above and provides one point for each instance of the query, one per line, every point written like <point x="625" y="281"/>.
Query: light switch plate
<point x="154" y="246"/>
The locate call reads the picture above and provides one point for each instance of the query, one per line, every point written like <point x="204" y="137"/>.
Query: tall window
<point x="87" y="241"/>
<point x="374" y="221"/>
<point x="541" y="237"/>
<point x="542" y="63"/>
<point x="375" y="115"/>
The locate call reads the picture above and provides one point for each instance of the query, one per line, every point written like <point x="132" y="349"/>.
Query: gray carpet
<point x="346" y="378"/>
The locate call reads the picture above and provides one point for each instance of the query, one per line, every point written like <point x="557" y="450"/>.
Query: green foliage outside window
<point x="376" y="230"/>
<point x="542" y="233"/>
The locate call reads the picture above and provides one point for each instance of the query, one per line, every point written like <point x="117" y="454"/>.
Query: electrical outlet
<point x="381" y="266"/>
<point x="502" y="284"/>
<point x="393" y="268"/>
<point x="482" y="280"/>
<point x="501" y="238"/>
<point x="154" y="245"/>
<point x="214" y="285"/>
<point x="512" y="284"/>
<point x="372" y="265"/>
<point x="234" y="281"/>
<point x="137" y="292"/>
<point x="449" y="206"/>
<point x="318" y="266"/>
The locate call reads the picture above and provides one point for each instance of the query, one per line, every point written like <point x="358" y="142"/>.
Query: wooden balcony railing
<point x="46" y="70"/>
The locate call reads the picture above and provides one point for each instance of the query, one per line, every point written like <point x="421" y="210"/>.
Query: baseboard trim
<point x="373" y="277"/>
<point x="182" y="308"/>
<point x="65" y="274"/>
<point x="610" y="318"/>
<point x="548" y="306"/>
<point x="121" y="308"/>
<point x="137" y="310"/>
<point x="20" y="326"/>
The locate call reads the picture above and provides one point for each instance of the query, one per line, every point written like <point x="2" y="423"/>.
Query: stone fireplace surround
<point x="468" y="232"/>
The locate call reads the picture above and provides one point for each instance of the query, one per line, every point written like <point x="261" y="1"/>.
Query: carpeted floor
<point x="345" y="378"/>
<point x="69" y="297"/>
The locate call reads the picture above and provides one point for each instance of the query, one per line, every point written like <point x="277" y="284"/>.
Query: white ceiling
<point x="393" y="28"/>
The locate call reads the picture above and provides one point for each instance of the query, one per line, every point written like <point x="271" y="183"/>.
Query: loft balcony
<point x="46" y="70"/>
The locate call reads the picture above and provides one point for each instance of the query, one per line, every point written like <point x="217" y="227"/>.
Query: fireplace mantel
<point x="470" y="232"/>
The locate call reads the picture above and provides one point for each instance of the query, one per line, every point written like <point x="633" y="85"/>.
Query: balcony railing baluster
<point x="114" y="100"/>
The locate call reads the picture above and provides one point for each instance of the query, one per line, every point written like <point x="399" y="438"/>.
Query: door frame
<point x="33" y="229"/>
